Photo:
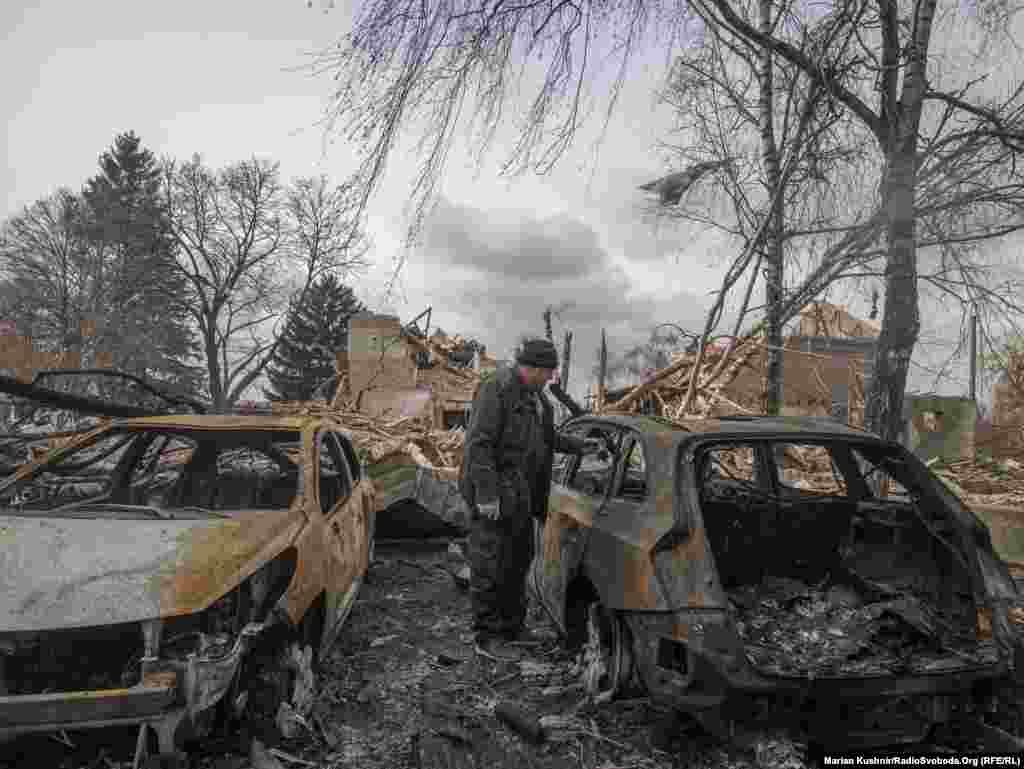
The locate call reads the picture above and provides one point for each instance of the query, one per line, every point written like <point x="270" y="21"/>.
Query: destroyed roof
<point x="809" y="427"/>
<point x="731" y="375"/>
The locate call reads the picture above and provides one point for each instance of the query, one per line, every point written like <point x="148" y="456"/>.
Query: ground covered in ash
<point x="402" y="688"/>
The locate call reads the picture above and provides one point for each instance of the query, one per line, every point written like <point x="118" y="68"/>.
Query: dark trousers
<point x="500" y="555"/>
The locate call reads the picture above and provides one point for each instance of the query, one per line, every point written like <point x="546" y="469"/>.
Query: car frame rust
<point x="254" y="579"/>
<point x="648" y="573"/>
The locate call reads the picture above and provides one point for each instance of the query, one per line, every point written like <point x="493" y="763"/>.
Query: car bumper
<point x="709" y="674"/>
<point x="170" y="693"/>
<point x="84" y="710"/>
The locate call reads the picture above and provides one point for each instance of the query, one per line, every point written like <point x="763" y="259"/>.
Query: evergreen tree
<point x="314" y="331"/>
<point x="137" y="286"/>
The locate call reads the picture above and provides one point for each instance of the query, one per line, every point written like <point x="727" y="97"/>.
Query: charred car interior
<point x="853" y="574"/>
<point x="779" y="570"/>
<point x="177" y="573"/>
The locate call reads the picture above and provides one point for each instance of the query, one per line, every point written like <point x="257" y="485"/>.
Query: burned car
<point x="793" y="571"/>
<point x="177" y="572"/>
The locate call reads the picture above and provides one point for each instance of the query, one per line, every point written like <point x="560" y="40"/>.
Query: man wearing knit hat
<point x="506" y="480"/>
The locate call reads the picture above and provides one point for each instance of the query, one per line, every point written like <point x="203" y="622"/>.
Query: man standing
<point x="506" y="480"/>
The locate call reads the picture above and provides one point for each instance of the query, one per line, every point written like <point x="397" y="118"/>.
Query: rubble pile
<point x="719" y="367"/>
<point x="730" y="381"/>
<point x="791" y="628"/>
<point x="455" y="349"/>
<point x="986" y="480"/>
<point x="409" y="439"/>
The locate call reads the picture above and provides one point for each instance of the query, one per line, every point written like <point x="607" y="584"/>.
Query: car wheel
<point x="607" y="664"/>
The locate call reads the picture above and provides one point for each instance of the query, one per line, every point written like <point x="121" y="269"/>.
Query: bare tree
<point x="79" y="299"/>
<point x="46" y="259"/>
<point x="832" y="229"/>
<point x="887" y="65"/>
<point x="408" y="60"/>
<point x="246" y="246"/>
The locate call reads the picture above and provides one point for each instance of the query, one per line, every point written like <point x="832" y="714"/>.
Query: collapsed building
<point x="825" y="364"/>
<point x="391" y="370"/>
<point x="404" y="397"/>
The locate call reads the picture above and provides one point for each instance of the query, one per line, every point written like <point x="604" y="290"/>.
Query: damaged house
<point x="394" y="371"/>
<point x="824" y="365"/>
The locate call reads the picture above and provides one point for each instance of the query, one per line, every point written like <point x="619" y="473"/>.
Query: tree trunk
<point x="883" y="408"/>
<point x="772" y="243"/>
<point x="566" y="354"/>
<point x="901" y="323"/>
<point x="218" y="399"/>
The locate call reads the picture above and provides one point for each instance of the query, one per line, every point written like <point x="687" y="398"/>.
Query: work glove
<point x="491" y="511"/>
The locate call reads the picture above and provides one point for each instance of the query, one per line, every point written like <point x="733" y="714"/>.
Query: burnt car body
<point x="789" y="570"/>
<point x="177" y="571"/>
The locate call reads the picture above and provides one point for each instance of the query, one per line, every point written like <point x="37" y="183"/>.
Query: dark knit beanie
<point x="539" y="353"/>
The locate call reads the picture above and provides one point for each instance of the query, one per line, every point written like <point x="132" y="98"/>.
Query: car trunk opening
<point x="838" y="565"/>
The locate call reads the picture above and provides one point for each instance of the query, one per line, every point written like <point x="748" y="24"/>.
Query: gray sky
<point x="212" y="77"/>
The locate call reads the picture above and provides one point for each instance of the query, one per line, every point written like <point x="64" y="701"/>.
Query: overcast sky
<point x="213" y="77"/>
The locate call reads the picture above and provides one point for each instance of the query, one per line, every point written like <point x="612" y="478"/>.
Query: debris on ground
<point x="424" y="699"/>
<point x="520" y="720"/>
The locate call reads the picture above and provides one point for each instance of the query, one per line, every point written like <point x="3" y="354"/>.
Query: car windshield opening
<point x="161" y="472"/>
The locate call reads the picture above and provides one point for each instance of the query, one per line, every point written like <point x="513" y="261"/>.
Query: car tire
<point x="607" y="666"/>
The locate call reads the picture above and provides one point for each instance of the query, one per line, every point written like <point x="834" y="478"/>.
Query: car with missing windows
<point x="789" y="571"/>
<point x="177" y="572"/>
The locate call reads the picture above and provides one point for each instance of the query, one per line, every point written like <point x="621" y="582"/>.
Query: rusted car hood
<point x="62" y="572"/>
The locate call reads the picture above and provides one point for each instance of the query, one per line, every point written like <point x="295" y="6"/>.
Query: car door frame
<point x="361" y="496"/>
<point x="561" y="543"/>
<point x="341" y="581"/>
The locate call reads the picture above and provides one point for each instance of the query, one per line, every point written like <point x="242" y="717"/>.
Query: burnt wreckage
<point x="791" y="571"/>
<point x="177" y="572"/>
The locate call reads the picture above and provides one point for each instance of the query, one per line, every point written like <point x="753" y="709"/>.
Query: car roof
<point x="222" y="422"/>
<point x="820" y="428"/>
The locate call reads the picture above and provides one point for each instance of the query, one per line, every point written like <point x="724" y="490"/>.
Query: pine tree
<point x="137" y="286"/>
<point x="314" y="331"/>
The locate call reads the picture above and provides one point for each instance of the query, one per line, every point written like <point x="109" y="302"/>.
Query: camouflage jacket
<point x="502" y="435"/>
